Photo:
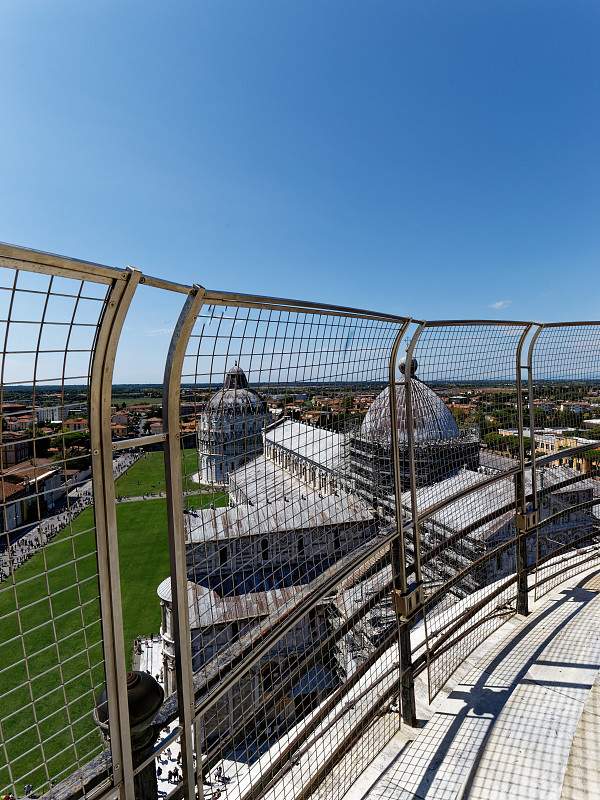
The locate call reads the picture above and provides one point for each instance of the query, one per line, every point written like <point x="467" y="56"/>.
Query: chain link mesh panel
<point x="459" y="421"/>
<point x="565" y="399"/>
<point x="285" y="510"/>
<point x="51" y="653"/>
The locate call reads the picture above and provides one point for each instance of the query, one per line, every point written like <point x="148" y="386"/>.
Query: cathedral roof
<point x="486" y="504"/>
<point x="208" y="608"/>
<point x="293" y="514"/>
<point x="320" y="446"/>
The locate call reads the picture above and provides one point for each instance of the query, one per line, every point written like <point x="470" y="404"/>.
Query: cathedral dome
<point x="236" y="397"/>
<point x="433" y="421"/>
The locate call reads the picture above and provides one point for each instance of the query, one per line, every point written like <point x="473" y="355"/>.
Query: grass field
<point x="51" y="652"/>
<point x="147" y="476"/>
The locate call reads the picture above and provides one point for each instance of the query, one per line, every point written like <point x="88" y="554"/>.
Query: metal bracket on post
<point x="406" y="604"/>
<point x="527" y="521"/>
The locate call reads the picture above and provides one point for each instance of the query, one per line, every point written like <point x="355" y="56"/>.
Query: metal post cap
<point x="144" y="697"/>
<point x="413" y="366"/>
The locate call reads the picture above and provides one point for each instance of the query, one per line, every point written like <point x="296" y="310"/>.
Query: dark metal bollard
<point x="145" y="696"/>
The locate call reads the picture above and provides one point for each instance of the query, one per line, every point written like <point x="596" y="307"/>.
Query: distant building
<point x="16" y="447"/>
<point x="49" y="413"/>
<point x="230" y="428"/>
<point x="120" y="417"/>
<point x="20" y="423"/>
<point x="554" y="440"/>
<point x="12" y="408"/>
<point x="155" y="425"/>
<point x="77" y="424"/>
<point x="28" y="490"/>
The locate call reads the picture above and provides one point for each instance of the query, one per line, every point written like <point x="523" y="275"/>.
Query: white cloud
<point x="499" y="304"/>
<point x="158" y="332"/>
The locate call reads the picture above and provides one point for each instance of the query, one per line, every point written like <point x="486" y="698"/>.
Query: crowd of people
<point x="169" y="772"/>
<point x="27" y="790"/>
<point x="20" y="551"/>
<point x="174" y="776"/>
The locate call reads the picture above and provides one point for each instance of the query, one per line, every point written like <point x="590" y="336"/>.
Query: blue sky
<point x="428" y="159"/>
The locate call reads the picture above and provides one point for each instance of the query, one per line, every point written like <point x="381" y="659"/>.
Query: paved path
<point x="160" y="496"/>
<point x="517" y="725"/>
<point x="222" y="777"/>
<point x="138" y="498"/>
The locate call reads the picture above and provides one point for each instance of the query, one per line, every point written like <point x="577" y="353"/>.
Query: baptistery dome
<point x="230" y="428"/>
<point x="432" y="420"/>
<point x="236" y="396"/>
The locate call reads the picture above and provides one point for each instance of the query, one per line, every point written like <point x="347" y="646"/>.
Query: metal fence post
<point x="525" y="518"/>
<point x="398" y="553"/>
<point x="534" y="495"/>
<point x="410" y="437"/>
<point x="100" y="398"/>
<point x="177" y="552"/>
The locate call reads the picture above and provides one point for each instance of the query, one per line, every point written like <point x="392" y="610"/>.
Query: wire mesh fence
<point x="459" y="416"/>
<point x="275" y="510"/>
<point x="51" y="654"/>
<point x="575" y="548"/>
<point x="564" y="397"/>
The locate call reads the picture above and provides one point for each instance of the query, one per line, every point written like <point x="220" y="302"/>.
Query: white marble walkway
<point x="508" y="726"/>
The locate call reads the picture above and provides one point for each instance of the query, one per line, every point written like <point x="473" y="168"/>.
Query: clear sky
<point x="433" y="159"/>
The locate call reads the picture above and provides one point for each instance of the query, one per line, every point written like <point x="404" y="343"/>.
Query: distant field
<point x="147" y="476"/>
<point x="137" y="401"/>
<point x="65" y="628"/>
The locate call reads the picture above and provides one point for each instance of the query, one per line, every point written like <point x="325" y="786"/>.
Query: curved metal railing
<point x="334" y="525"/>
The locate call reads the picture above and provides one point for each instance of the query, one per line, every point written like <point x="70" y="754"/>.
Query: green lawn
<point x="144" y="560"/>
<point x="147" y="476"/>
<point x="51" y="652"/>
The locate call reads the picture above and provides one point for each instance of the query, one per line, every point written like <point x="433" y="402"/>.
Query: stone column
<point x="145" y="696"/>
